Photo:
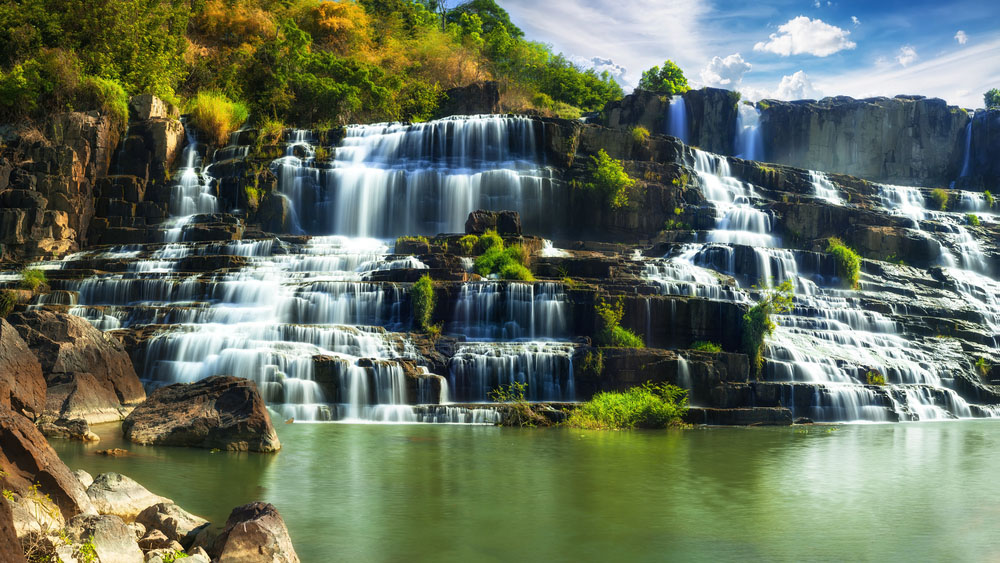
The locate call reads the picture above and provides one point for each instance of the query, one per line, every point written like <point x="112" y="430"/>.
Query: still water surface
<point x="916" y="492"/>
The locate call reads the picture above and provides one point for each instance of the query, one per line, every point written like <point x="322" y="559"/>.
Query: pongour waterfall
<point x="677" y="125"/>
<point x="749" y="143"/>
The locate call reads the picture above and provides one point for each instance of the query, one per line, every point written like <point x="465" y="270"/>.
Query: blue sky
<point x="784" y="49"/>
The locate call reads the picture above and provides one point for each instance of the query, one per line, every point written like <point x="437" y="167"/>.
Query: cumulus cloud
<point x="601" y="64"/>
<point x="796" y="86"/>
<point x="726" y="71"/>
<point x="855" y="21"/>
<point x="907" y="55"/>
<point x="802" y="35"/>
<point x="961" y="37"/>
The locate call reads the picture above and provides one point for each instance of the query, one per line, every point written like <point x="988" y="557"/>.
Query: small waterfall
<point x="677" y="125"/>
<point x="192" y="193"/>
<point x="749" y="143"/>
<point x="967" y="158"/>
<point x="824" y="188"/>
<point x="740" y="222"/>
<point x="546" y="368"/>
<point x="511" y="311"/>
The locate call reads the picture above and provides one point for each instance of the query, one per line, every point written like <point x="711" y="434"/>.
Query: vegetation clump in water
<point x="758" y="324"/>
<point x="648" y="406"/>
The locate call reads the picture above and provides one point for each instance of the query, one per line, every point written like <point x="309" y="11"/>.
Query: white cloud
<point x="816" y="4"/>
<point x="907" y="55"/>
<point x="600" y="64"/>
<point x="802" y="35"/>
<point x="855" y="21"/>
<point x="796" y="86"/>
<point x="726" y="71"/>
<point x="961" y="37"/>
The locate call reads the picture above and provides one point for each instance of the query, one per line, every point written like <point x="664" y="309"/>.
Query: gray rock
<point x="112" y="493"/>
<point x="85" y="478"/>
<point x="114" y="542"/>
<point x="254" y="532"/>
<point x="176" y="523"/>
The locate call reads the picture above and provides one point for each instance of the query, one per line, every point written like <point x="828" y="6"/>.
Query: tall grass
<point x="647" y="406"/>
<point x="216" y="115"/>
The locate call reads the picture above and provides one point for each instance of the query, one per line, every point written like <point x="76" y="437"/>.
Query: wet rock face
<point x="27" y="458"/>
<point x="10" y="547"/>
<point x="254" y="532"/>
<point x="91" y="373"/>
<point x="984" y="166"/>
<point x="506" y="223"/>
<point x="22" y="385"/>
<point x="907" y="140"/>
<point x="221" y="412"/>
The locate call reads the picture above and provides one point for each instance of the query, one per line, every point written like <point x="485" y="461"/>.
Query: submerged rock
<point x="221" y="412"/>
<point x="254" y="532"/>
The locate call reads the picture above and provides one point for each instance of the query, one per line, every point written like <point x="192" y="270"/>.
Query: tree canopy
<point x="668" y="79"/>
<point x="992" y="98"/>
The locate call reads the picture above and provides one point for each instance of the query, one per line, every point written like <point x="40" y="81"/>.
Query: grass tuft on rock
<point x="423" y="299"/>
<point x="32" y="279"/>
<point x="758" y="324"/>
<point x="611" y="332"/>
<point x="216" y="115"/>
<point x="848" y="261"/>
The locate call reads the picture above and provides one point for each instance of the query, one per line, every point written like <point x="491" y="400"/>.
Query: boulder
<point x="81" y="396"/>
<point x="113" y="541"/>
<point x="26" y="458"/>
<point x="85" y="478"/>
<point x="254" y="532"/>
<point x="112" y="493"/>
<point x="173" y="521"/>
<point x="65" y="344"/>
<point x="506" y="223"/>
<point x="155" y="539"/>
<point x="73" y="429"/>
<point x="476" y="98"/>
<point x="148" y="106"/>
<point x="20" y="373"/>
<point x="221" y="412"/>
<point x="10" y="547"/>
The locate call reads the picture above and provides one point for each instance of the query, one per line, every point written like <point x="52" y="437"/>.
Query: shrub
<point x="647" y="406"/>
<point x="940" y="198"/>
<point x="490" y="239"/>
<point x="609" y="180"/>
<point x="983" y="366"/>
<point x="32" y="279"/>
<point x="423" y="299"/>
<point x="216" y="115"/>
<point x="992" y="98"/>
<point x="973" y="219"/>
<point x="874" y="378"/>
<point x="704" y="346"/>
<point x="640" y="134"/>
<point x="520" y="412"/>
<point x="758" y="325"/>
<point x="848" y="261"/>
<point x="106" y="95"/>
<point x="270" y="131"/>
<point x="8" y="299"/>
<point x="989" y="198"/>
<point x="668" y="80"/>
<point x="508" y="263"/>
<point x="468" y="244"/>
<point x="611" y="332"/>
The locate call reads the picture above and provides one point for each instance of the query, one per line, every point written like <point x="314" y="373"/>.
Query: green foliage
<point x="758" y="324"/>
<point x="8" y="299"/>
<point x="468" y="244"/>
<point x="105" y="94"/>
<point x="704" y="346"/>
<point x="609" y="180"/>
<point x="214" y="114"/>
<point x="519" y="412"/>
<point x="983" y="366"/>
<point x="8" y="494"/>
<point x="675" y="225"/>
<point x="87" y="552"/>
<point x="647" y="406"/>
<point x="992" y="98"/>
<point x="940" y="198"/>
<point x="972" y="219"/>
<point x="680" y="181"/>
<point x="593" y="364"/>
<point x="611" y="332"/>
<point x="668" y="80"/>
<point x="32" y="279"/>
<point x="172" y="556"/>
<point x="490" y="239"/>
<point x="508" y="263"/>
<point x="989" y="198"/>
<point x="640" y="134"/>
<point x="848" y="261"/>
<point x="874" y="378"/>
<point x="423" y="299"/>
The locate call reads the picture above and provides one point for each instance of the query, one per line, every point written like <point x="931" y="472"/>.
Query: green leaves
<point x="609" y="179"/>
<point x="668" y="80"/>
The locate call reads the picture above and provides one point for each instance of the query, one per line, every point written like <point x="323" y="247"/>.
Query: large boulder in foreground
<point x="10" y="547"/>
<point x="113" y="540"/>
<point x="113" y="493"/>
<point x="22" y="385"/>
<point x="254" y="533"/>
<point x="26" y="459"/>
<point x="222" y="412"/>
<point x="67" y="346"/>
<point x="174" y="522"/>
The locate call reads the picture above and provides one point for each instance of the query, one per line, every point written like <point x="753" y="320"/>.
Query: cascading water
<point x="677" y="125"/>
<point x="749" y="143"/>
<point x="737" y="221"/>
<point x="824" y="188"/>
<point x="191" y="195"/>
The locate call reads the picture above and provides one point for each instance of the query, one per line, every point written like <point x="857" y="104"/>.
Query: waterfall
<point x="511" y="311"/>
<point x="967" y="158"/>
<point x="740" y="222"/>
<point x="749" y="143"/>
<point x="824" y="188"/>
<point x="677" y="118"/>
<point x="191" y="194"/>
<point x="545" y="367"/>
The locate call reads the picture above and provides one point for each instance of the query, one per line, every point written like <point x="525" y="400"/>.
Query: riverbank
<point x="448" y="492"/>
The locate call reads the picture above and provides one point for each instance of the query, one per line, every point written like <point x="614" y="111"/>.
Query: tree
<point x="992" y="98"/>
<point x="489" y="13"/>
<point x="668" y="80"/>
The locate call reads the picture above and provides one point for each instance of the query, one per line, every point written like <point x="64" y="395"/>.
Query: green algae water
<point x="917" y="492"/>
